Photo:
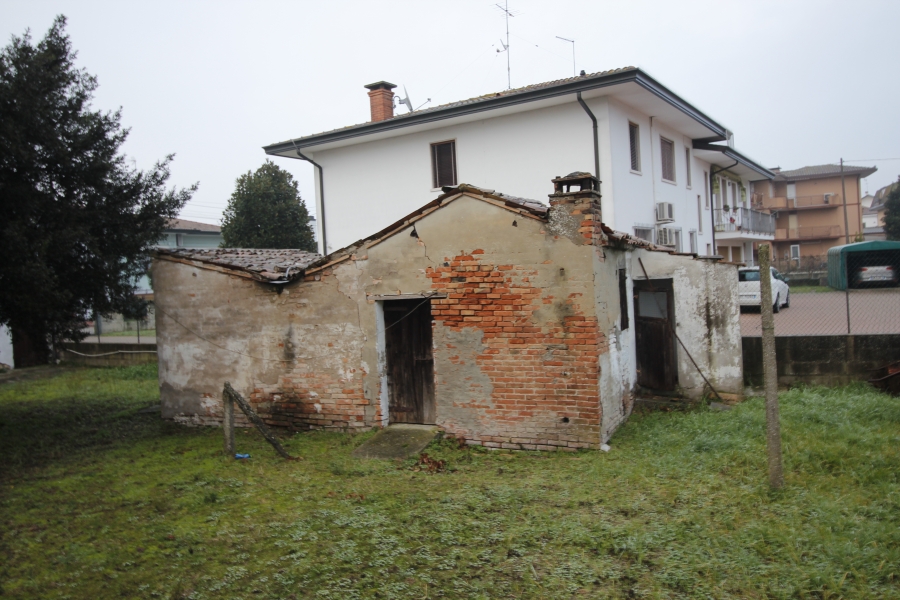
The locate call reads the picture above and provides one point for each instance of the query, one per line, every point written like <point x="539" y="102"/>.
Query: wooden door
<point x="410" y="363"/>
<point x="654" y="311"/>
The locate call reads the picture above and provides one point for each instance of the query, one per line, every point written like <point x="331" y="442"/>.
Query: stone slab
<point x="400" y="440"/>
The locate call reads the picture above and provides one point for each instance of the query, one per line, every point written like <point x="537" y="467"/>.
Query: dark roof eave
<point x="735" y="155"/>
<point x="633" y="75"/>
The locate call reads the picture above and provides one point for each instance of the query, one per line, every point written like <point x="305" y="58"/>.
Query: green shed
<point x="843" y="260"/>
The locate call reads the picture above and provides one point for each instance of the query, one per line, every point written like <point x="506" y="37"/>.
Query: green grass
<point x="98" y="500"/>
<point x="811" y="289"/>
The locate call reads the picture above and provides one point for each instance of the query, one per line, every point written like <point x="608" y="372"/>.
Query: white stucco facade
<point x="373" y="179"/>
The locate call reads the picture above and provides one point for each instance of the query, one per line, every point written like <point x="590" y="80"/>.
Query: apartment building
<point x="815" y="208"/>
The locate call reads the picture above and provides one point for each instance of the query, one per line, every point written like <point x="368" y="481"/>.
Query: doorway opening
<point x="409" y="361"/>
<point x="654" y="320"/>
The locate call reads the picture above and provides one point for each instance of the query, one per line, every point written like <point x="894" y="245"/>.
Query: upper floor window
<point x="667" y="150"/>
<point x="644" y="233"/>
<point x="706" y="187"/>
<point x="443" y="164"/>
<point x="687" y="163"/>
<point x="634" y="140"/>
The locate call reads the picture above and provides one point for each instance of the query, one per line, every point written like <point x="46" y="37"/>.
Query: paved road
<point x="872" y="311"/>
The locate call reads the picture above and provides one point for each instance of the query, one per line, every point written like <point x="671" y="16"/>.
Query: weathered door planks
<point x="654" y="310"/>
<point x="410" y="362"/>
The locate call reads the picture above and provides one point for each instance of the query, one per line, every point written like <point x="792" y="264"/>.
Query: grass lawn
<point x="811" y="289"/>
<point x="99" y="500"/>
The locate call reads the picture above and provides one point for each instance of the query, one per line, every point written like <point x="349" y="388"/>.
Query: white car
<point x="749" y="292"/>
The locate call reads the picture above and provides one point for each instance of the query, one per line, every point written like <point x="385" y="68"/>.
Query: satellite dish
<point x="405" y="101"/>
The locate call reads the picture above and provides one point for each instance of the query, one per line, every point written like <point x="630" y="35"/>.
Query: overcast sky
<point x="798" y="82"/>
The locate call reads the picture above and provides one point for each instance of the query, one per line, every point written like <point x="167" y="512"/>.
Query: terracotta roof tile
<point x="270" y="265"/>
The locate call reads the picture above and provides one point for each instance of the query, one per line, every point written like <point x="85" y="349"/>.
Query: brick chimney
<point x="381" y="100"/>
<point x="575" y="213"/>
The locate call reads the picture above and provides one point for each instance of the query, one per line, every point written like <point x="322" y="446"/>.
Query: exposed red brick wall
<point x="308" y="397"/>
<point x="544" y="374"/>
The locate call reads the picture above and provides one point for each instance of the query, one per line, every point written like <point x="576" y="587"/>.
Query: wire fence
<point x="854" y="294"/>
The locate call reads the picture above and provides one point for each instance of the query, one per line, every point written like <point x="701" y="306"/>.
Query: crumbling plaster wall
<point x="516" y="335"/>
<point x="295" y="352"/>
<point x="706" y="319"/>
<point x="618" y="370"/>
<point x="515" y="345"/>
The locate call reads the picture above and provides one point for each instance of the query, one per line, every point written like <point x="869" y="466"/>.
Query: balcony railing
<point x="744" y="219"/>
<point x="815" y="201"/>
<point x="821" y="232"/>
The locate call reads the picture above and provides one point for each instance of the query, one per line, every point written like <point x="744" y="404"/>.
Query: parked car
<point x="875" y="274"/>
<point x="749" y="290"/>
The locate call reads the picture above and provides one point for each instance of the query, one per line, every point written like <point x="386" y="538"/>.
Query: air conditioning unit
<point x="827" y="198"/>
<point x="665" y="236"/>
<point x="665" y="212"/>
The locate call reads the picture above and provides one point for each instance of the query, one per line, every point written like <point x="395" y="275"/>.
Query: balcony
<point x="820" y="232"/>
<point x="745" y="221"/>
<point x="802" y="202"/>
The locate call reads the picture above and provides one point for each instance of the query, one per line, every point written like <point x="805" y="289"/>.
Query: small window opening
<point x="443" y="164"/>
<point x="667" y="150"/>
<point x="623" y="300"/>
<point x="634" y="138"/>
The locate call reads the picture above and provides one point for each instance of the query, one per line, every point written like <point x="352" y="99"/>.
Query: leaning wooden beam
<point x="228" y="424"/>
<point x="231" y="394"/>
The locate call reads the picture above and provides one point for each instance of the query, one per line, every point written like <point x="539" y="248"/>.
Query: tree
<point x="892" y="213"/>
<point x="266" y="211"/>
<point x="78" y="223"/>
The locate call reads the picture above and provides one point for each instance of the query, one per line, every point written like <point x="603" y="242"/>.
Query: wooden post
<point x="228" y="424"/>
<point x="254" y="418"/>
<point x="770" y="371"/>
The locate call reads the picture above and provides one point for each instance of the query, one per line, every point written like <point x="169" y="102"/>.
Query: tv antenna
<point x="507" y="14"/>
<point x="574" y="73"/>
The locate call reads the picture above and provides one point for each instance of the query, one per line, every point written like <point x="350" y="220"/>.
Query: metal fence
<point x="863" y="298"/>
<point x="744" y="219"/>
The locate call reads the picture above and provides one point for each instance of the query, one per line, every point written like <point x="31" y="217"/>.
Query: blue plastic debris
<point x="240" y="456"/>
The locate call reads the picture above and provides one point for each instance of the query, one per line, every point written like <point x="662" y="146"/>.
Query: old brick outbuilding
<point x="505" y="322"/>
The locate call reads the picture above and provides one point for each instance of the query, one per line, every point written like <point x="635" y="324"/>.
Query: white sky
<point x="799" y="82"/>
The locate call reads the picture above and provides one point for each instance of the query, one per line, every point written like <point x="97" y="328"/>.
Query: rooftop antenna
<point x="505" y="9"/>
<point x="573" y="52"/>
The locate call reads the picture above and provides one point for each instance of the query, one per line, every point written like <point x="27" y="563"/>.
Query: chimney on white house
<point x="381" y="100"/>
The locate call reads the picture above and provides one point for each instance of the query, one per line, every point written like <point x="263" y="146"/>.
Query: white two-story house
<point x="668" y="170"/>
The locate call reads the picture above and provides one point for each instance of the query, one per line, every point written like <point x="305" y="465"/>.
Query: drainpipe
<point x="712" y="213"/>
<point x="596" y="140"/>
<point x="321" y="197"/>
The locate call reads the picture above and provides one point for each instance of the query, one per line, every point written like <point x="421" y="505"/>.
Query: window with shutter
<point x="667" y="148"/>
<point x="687" y="162"/>
<point x="635" y="142"/>
<point x="443" y="164"/>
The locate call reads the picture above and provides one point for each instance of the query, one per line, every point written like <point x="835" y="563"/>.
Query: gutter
<point x="733" y="155"/>
<point x="463" y="108"/>
<point x="596" y="142"/>
<point x="321" y="196"/>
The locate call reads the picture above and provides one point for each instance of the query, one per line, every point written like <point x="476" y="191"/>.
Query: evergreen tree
<point x="892" y="213"/>
<point x="266" y="211"/>
<point x="77" y="223"/>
